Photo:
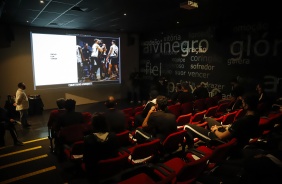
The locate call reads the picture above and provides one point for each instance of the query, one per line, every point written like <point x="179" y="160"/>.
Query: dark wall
<point x="214" y="55"/>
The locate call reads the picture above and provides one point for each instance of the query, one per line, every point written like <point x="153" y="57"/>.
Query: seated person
<point x="53" y="119"/>
<point x="7" y="123"/>
<point x="243" y="128"/>
<point x="116" y="119"/>
<point x="70" y="116"/>
<point x="259" y="164"/>
<point x="186" y="95"/>
<point x="100" y="144"/>
<point x="178" y="90"/>
<point x="138" y="119"/>
<point x="201" y="92"/>
<point x="264" y="105"/>
<point x="54" y="114"/>
<point x="159" y="123"/>
<point x="236" y="95"/>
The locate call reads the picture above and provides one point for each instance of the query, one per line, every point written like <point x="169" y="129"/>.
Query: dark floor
<point x="39" y="121"/>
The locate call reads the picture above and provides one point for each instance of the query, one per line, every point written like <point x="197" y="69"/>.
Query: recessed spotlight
<point x="41" y="1"/>
<point x="177" y="22"/>
<point x="124" y="14"/>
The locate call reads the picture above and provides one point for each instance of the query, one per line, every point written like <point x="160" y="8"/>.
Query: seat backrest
<point x="123" y="138"/>
<point x="240" y="113"/>
<point x="87" y="116"/>
<point x="145" y="173"/>
<point x="210" y="102"/>
<point x="198" y="117"/>
<point x="138" y="109"/>
<point x="199" y="105"/>
<point x="188" y="172"/>
<point x="183" y="119"/>
<point x="221" y="109"/>
<point x="109" y="167"/>
<point x="128" y="111"/>
<point x="222" y="151"/>
<point x="211" y="111"/>
<point x="73" y="133"/>
<point x="186" y="108"/>
<point x="145" y="150"/>
<point x="172" y="141"/>
<point x="175" y="109"/>
<point x="228" y="118"/>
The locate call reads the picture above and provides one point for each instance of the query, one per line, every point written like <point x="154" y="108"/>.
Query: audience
<point x="53" y="121"/>
<point x="243" y="128"/>
<point x="159" y="123"/>
<point x="138" y="119"/>
<point x="201" y="92"/>
<point x="175" y="95"/>
<point x="186" y="95"/>
<point x="261" y="163"/>
<point x="236" y="94"/>
<point x="116" y="119"/>
<point x="100" y="144"/>
<point x="70" y="117"/>
<point x="264" y="105"/>
<point x="55" y="114"/>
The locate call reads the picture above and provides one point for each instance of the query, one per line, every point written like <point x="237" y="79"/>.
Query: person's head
<point x="260" y="88"/>
<point x="99" y="122"/>
<point x="185" y="86"/>
<point x="111" y="102"/>
<point x="178" y="87"/>
<point x="96" y="40"/>
<point x="86" y="45"/>
<point x="70" y="104"/>
<point x="21" y="85"/>
<point x="60" y="103"/>
<point x="113" y="42"/>
<point x="161" y="102"/>
<point x="250" y="101"/>
<point x="154" y="94"/>
<point x="234" y="82"/>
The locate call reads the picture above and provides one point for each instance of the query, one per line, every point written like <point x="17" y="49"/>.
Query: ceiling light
<point x="189" y="5"/>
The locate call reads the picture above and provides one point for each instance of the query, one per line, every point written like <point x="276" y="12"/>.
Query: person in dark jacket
<point x="7" y="123"/>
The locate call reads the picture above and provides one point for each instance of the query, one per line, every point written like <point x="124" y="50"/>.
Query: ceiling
<point x="141" y="15"/>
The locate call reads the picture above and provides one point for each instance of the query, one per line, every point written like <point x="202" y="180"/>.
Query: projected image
<point x="97" y="59"/>
<point x="71" y="60"/>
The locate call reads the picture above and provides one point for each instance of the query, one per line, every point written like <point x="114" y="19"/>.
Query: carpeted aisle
<point x="33" y="163"/>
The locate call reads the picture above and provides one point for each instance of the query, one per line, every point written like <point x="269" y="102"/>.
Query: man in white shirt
<point x="22" y="104"/>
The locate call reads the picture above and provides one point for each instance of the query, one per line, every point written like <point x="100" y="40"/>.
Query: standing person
<point x="22" y="104"/>
<point x="113" y="60"/>
<point x="95" y="60"/>
<point x="7" y="123"/>
<point x="102" y="57"/>
<point x="86" y="53"/>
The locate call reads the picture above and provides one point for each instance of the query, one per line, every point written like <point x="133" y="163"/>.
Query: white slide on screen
<point x="54" y="59"/>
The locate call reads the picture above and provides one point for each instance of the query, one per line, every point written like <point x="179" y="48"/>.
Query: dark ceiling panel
<point x="142" y="15"/>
